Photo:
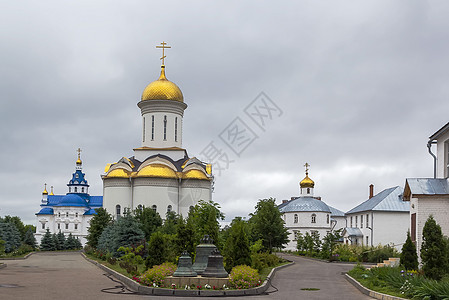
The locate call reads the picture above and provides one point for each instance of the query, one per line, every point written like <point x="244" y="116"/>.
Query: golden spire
<point x="78" y="162"/>
<point x="45" y="190"/>
<point x="51" y="193"/>
<point x="163" y="47"/>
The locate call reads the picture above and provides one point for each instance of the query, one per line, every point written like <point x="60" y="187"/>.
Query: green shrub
<point x="156" y="275"/>
<point x="260" y="261"/>
<point x="243" y="277"/>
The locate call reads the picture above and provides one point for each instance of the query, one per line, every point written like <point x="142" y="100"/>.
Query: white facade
<point x="380" y="220"/>
<point x="430" y="196"/>
<point x="70" y="213"/>
<point x="309" y="214"/>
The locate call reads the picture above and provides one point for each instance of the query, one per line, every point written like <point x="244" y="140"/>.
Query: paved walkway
<point x="67" y="275"/>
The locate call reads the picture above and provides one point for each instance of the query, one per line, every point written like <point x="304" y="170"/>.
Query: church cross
<point x="163" y="47"/>
<point x="79" y="152"/>
<point x="307" y="167"/>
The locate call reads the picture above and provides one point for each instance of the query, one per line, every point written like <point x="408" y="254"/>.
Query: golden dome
<point x="195" y="174"/>
<point x="307" y="182"/>
<point x="118" y="173"/>
<point x="162" y="89"/>
<point x="45" y="190"/>
<point x="157" y="170"/>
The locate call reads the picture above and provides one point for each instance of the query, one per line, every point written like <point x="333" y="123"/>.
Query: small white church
<point x="160" y="174"/>
<point x="308" y="213"/>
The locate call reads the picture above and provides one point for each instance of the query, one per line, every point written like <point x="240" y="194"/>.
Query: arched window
<point x="76" y="215"/>
<point x="117" y="210"/>
<point x="313" y="218"/>
<point x="67" y="226"/>
<point x="165" y="128"/>
<point x="82" y="190"/>
<point x="67" y="214"/>
<point x="76" y="189"/>
<point x="152" y="128"/>
<point x="59" y="214"/>
<point x="154" y="207"/>
<point x="43" y="225"/>
<point x="139" y="207"/>
<point x="76" y="226"/>
<point x="176" y="129"/>
<point x="296" y="218"/>
<point x="308" y="190"/>
<point x="327" y="219"/>
<point x="169" y="208"/>
<point x="59" y="226"/>
<point x="70" y="189"/>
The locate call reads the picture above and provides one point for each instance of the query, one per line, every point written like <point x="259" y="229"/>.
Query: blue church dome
<point x="46" y="211"/>
<point x="72" y="200"/>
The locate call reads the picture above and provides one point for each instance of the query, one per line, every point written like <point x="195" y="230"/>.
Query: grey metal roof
<point x="305" y="204"/>
<point x="352" y="231"/>
<point x="428" y="186"/>
<point x="439" y="133"/>
<point x="387" y="200"/>
<point x="336" y="212"/>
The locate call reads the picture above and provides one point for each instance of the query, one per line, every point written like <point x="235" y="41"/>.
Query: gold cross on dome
<point x="79" y="152"/>
<point x="163" y="47"/>
<point x="307" y="167"/>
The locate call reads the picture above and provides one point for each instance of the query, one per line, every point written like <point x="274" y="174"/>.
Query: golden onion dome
<point x="162" y="89"/>
<point x="157" y="170"/>
<point x="118" y="173"/>
<point x="307" y="182"/>
<point x="51" y="193"/>
<point x="45" y="190"/>
<point x="194" y="174"/>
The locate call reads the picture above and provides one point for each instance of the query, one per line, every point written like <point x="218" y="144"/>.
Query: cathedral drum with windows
<point x="160" y="175"/>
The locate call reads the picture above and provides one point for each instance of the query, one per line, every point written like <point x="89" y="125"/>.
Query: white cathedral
<point x="160" y="175"/>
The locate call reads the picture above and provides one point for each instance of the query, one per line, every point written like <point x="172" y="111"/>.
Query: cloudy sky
<point x="360" y="86"/>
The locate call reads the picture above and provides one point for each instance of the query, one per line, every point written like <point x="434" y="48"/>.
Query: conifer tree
<point x="434" y="250"/>
<point x="409" y="256"/>
<point x="47" y="243"/>
<point x="11" y="236"/>
<point x="97" y="224"/>
<point x="149" y="220"/>
<point x="56" y="242"/>
<point x="237" y="250"/>
<point x="61" y="240"/>
<point x="29" y="239"/>
<point x="157" y="249"/>
<point x="70" y="243"/>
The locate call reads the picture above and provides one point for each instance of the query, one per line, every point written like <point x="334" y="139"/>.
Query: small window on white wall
<point x="43" y="225"/>
<point x="327" y="219"/>
<point x="76" y="226"/>
<point x="169" y="208"/>
<point x="361" y="221"/>
<point x="295" y="218"/>
<point x="118" y="210"/>
<point x="66" y="226"/>
<point x="313" y="218"/>
<point x="154" y="207"/>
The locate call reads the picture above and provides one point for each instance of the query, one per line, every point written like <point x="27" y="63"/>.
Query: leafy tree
<point x="330" y="243"/>
<point x="97" y="224"/>
<point x="29" y="239"/>
<point x="434" y="250"/>
<point x="47" y="242"/>
<point x="157" y="249"/>
<point x="204" y="218"/>
<point x="308" y="243"/>
<point x="237" y="250"/>
<point x="11" y="236"/>
<point x="149" y="220"/>
<point x="409" y="256"/>
<point x="300" y="242"/>
<point x="268" y="225"/>
<point x="316" y="241"/>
